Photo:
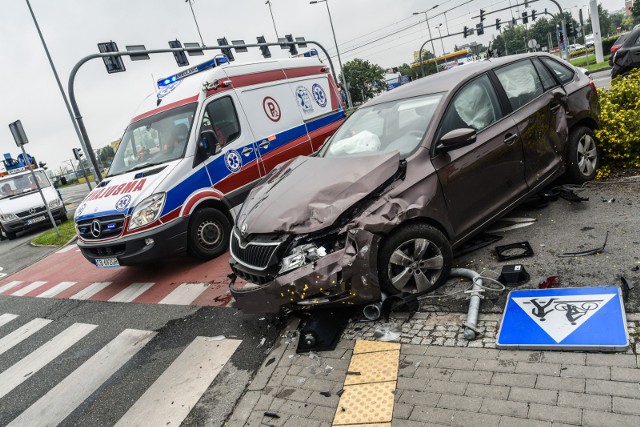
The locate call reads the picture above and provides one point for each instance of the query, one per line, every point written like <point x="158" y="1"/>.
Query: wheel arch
<point x="420" y="220"/>
<point x="215" y="204"/>
<point x="589" y="122"/>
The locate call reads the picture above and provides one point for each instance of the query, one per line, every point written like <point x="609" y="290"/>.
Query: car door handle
<point x="510" y="138"/>
<point x="264" y="144"/>
<point x="246" y="151"/>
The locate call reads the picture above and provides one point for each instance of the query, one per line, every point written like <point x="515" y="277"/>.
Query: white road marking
<point x="60" y="287"/>
<point x="185" y="294"/>
<point x="90" y="290"/>
<point x="52" y="408"/>
<point x="172" y="396"/>
<point x="67" y="249"/>
<point x="29" y="365"/>
<point x="2" y="275"/>
<point x="22" y="333"/>
<point x="131" y="292"/>
<point x="27" y="289"/>
<point x="6" y="318"/>
<point x="10" y="285"/>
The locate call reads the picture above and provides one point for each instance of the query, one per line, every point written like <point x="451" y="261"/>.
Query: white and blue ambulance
<point x="199" y="144"/>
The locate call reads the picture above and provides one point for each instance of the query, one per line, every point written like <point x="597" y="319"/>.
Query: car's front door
<point x="538" y="104"/>
<point x="481" y="179"/>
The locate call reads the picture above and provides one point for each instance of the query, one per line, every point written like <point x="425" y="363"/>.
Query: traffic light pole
<point x="431" y="40"/>
<point x="84" y="137"/>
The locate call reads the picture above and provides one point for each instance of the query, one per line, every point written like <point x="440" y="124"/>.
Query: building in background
<point x="627" y="6"/>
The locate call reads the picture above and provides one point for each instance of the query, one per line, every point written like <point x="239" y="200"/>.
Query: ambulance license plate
<point x="36" y="219"/>
<point x="107" y="262"/>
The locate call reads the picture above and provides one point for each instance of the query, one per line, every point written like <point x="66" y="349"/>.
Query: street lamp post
<point x="273" y="20"/>
<point x="344" y="78"/>
<point x="442" y="42"/>
<point x="426" y="17"/>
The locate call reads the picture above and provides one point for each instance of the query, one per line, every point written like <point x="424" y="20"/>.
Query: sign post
<point x="21" y="138"/>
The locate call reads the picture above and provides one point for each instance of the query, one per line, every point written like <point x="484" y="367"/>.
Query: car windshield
<point x="384" y="128"/>
<point x="20" y="184"/>
<point x="154" y="140"/>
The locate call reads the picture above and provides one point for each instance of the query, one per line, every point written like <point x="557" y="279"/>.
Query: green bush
<point x="581" y="52"/>
<point x="619" y="135"/>
<point x="607" y="43"/>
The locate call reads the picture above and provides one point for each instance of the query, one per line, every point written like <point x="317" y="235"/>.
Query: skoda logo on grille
<point x="33" y="210"/>
<point x="244" y="229"/>
<point x="95" y="228"/>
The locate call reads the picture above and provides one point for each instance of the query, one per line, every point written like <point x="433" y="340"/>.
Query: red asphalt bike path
<point x="66" y="274"/>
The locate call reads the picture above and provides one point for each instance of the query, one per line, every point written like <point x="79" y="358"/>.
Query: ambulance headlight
<point x="8" y="217"/>
<point x="54" y="204"/>
<point x="147" y="211"/>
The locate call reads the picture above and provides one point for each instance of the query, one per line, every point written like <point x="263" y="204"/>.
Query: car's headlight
<point x="147" y="211"/>
<point x="8" y="217"/>
<point x="54" y="204"/>
<point x="301" y="255"/>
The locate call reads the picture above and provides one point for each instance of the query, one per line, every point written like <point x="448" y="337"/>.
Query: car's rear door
<point x="481" y="179"/>
<point x="539" y="112"/>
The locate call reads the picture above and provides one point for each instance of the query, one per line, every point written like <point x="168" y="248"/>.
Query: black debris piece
<point x="636" y="268"/>
<point x="403" y="302"/>
<point x="271" y="415"/>
<point x="626" y="287"/>
<point x="326" y="393"/>
<point x="322" y="330"/>
<point x="589" y="251"/>
<point x="479" y="242"/>
<point x="339" y="392"/>
<point x="567" y="192"/>
<point x="353" y="373"/>
<point x="513" y="275"/>
<point x="514" y="251"/>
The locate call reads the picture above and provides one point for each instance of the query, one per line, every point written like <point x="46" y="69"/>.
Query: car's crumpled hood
<point x="307" y="194"/>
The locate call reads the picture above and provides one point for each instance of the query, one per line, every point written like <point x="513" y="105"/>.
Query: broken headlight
<point x="301" y="255"/>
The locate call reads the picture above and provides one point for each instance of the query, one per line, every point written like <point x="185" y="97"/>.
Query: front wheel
<point x="209" y="232"/>
<point x="415" y="259"/>
<point x="10" y="235"/>
<point x="583" y="158"/>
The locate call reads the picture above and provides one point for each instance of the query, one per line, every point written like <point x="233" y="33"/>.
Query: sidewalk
<point x="442" y="379"/>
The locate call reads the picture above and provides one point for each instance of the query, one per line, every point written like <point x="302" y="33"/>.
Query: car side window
<point x="220" y="116"/>
<point x="474" y="106"/>
<point x="521" y="83"/>
<point x="565" y="74"/>
<point x="637" y="43"/>
<point x="548" y="81"/>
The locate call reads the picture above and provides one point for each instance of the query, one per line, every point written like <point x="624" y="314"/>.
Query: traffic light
<point x="561" y="37"/>
<point x="570" y="30"/>
<point x="266" y="53"/>
<point x="498" y="23"/>
<point x="77" y="153"/>
<point x="43" y="165"/>
<point x="227" y="50"/>
<point x="524" y="17"/>
<point x="533" y="14"/>
<point x="113" y="64"/>
<point x="181" y="57"/>
<point x="514" y="22"/>
<point x="480" y="29"/>
<point x="482" y="15"/>
<point x="466" y="31"/>
<point x="293" y="50"/>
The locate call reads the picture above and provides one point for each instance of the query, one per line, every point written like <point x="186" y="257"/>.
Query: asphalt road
<point x="602" y="79"/>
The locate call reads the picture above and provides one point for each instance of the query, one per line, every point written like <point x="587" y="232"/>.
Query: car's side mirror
<point x="457" y="138"/>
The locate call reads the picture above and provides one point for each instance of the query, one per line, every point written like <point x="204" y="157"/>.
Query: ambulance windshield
<point x="154" y="140"/>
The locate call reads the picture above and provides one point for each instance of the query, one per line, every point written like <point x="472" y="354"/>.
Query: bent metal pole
<point x="84" y="137"/>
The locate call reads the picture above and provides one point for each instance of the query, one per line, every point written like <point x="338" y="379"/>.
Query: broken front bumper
<point x="344" y="277"/>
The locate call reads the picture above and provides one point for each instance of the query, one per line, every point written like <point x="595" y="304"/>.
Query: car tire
<point x="209" y="233"/>
<point x="583" y="156"/>
<point x="10" y="235"/>
<point x="416" y="258"/>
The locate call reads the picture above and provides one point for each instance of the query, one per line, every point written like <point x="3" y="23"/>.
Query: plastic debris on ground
<point x="589" y="251"/>
<point x="514" y="251"/>
<point x="388" y="332"/>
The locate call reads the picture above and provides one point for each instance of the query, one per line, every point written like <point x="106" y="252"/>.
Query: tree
<point x="406" y="70"/>
<point x="106" y="154"/>
<point x="365" y="79"/>
<point x="635" y="11"/>
<point x="605" y="22"/>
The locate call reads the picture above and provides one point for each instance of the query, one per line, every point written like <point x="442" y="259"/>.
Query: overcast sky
<point x="72" y="28"/>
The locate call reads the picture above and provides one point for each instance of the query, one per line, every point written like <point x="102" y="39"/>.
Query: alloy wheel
<point x="587" y="155"/>
<point x="415" y="265"/>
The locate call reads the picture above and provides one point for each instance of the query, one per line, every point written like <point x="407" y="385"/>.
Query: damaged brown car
<point x="407" y="179"/>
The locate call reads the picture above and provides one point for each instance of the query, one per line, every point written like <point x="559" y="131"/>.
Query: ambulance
<point x="196" y="148"/>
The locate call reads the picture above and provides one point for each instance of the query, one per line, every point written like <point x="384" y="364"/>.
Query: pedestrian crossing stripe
<point x="168" y="401"/>
<point x="566" y="318"/>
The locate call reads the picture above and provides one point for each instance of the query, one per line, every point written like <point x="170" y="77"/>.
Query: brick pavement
<point x="445" y="380"/>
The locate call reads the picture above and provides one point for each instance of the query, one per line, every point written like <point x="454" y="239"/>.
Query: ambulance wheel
<point x="209" y="233"/>
<point x="10" y="235"/>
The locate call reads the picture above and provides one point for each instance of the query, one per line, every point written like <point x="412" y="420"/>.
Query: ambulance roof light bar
<point x="218" y="60"/>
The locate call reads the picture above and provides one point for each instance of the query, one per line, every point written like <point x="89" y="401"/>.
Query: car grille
<point x="258" y="254"/>
<point x="101" y="227"/>
<point x="25" y="214"/>
<point x="258" y="279"/>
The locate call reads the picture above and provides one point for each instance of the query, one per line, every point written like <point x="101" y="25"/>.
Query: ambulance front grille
<point x="101" y="227"/>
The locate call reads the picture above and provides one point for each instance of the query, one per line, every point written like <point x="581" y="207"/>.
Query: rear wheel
<point x="583" y="158"/>
<point x="415" y="259"/>
<point x="209" y="232"/>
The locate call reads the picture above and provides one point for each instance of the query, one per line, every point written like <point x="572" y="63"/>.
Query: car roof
<point x="449" y="80"/>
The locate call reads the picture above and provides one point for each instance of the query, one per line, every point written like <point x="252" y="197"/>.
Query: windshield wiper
<point x="135" y="168"/>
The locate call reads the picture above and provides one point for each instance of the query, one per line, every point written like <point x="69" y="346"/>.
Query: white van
<point x="197" y="147"/>
<point x="21" y="206"/>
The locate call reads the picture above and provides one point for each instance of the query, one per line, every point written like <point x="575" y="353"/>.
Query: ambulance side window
<point x="221" y="117"/>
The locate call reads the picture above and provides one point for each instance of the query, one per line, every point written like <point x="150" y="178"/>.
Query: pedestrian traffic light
<point x="113" y="64"/>
<point x="533" y="14"/>
<point x="77" y="153"/>
<point x="514" y="22"/>
<point x="480" y="29"/>
<point x="293" y="50"/>
<point x="482" y="15"/>
<point x="181" y="57"/>
<point x="498" y="23"/>
<point x="465" y="31"/>
<point x="525" y="19"/>
<point x="266" y="53"/>
<point x="226" y="51"/>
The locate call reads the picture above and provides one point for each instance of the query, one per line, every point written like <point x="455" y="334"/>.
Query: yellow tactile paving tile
<point x="364" y="346"/>
<point x="371" y="425"/>
<point x="365" y="404"/>
<point x="374" y="367"/>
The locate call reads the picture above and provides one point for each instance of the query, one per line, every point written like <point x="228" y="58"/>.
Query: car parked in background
<point x="409" y="177"/>
<point x="627" y="55"/>
<point x="575" y="47"/>
<point x="588" y="40"/>
<point x="616" y="45"/>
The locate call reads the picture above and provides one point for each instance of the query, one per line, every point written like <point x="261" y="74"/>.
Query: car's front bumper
<point x="165" y="241"/>
<point x="23" y="223"/>
<point x="344" y="277"/>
